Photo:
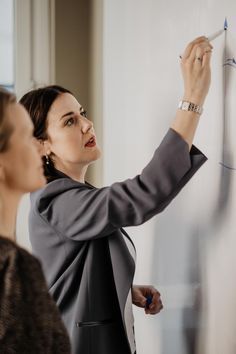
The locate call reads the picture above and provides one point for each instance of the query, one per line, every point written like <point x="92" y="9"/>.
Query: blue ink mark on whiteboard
<point x="230" y="62"/>
<point x="228" y="167"/>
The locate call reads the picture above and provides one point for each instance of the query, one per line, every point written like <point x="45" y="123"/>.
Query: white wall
<point x="142" y="87"/>
<point x="6" y="43"/>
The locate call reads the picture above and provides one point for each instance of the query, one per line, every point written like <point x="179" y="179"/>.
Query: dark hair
<point x="6" y="128"/>
<point x="38" y="103"/>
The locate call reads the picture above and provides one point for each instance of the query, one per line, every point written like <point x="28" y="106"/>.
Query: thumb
<point x="140" y="300"/>
<point x="143" y="301"/>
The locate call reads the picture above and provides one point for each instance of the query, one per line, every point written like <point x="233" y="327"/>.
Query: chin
<point x="99" y="154"/>
<point x="95" y="155"/>
<point x="38" y="183"/>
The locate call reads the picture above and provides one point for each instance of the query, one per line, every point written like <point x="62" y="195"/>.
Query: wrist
<point x="196" y="99"/>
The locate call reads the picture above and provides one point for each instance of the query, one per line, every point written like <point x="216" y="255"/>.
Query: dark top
<point x="30" y="322"/>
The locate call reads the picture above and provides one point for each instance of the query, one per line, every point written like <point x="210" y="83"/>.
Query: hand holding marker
<point x="153" y="303"/>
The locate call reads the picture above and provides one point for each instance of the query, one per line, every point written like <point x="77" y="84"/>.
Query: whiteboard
<point x="188" y="250"/>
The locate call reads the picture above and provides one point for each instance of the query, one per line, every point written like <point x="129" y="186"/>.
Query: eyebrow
<point x="71" y="113"/>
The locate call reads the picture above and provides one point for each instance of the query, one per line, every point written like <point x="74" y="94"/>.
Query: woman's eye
<point x="70" y="122"/>
<point x="84" y="114"/>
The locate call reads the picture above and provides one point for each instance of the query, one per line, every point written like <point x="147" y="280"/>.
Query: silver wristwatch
<point x="189" y="106"/>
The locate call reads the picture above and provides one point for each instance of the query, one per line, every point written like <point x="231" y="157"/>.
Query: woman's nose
<point x="86" y="125"/>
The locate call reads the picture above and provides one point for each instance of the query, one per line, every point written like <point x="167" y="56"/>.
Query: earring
<point x="47" y="160"/>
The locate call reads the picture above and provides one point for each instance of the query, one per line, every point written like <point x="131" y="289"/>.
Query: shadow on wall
<point x="227" y="162"/>
<point x="176" y="269"/>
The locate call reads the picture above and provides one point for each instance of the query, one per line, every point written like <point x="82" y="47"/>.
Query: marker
<point x="148" y="300"/>
<point x="218" y="33"/>
<point x="225" y="24"/>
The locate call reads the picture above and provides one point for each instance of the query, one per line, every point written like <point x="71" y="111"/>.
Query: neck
<point x="76" y="172"/>
<point x="8" y="210"/>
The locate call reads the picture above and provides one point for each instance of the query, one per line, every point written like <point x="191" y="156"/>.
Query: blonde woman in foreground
<point x="29" y="320"/>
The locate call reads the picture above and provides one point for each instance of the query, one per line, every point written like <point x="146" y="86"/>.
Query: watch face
<point x="185" y="106"/>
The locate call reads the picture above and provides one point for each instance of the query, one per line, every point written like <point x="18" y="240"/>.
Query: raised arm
<point x="77" y="211"/>
<point x="195" y="65"/>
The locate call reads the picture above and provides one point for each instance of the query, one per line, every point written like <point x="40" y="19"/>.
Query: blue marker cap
<point x="225" y="24"/>
<point x="148" y="300"/>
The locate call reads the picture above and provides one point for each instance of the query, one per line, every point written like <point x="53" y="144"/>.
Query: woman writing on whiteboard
<point x="77" y="230"/>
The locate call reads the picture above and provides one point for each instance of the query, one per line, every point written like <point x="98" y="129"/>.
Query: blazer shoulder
<point x="42" y="197"/>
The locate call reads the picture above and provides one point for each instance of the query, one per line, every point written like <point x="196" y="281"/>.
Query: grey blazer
<point x="76" y="232"/>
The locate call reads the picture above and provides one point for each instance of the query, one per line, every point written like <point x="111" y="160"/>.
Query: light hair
<point x="6" y="129"/>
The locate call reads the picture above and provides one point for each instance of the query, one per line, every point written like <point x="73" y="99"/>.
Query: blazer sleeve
<point x="83" y="213"/>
